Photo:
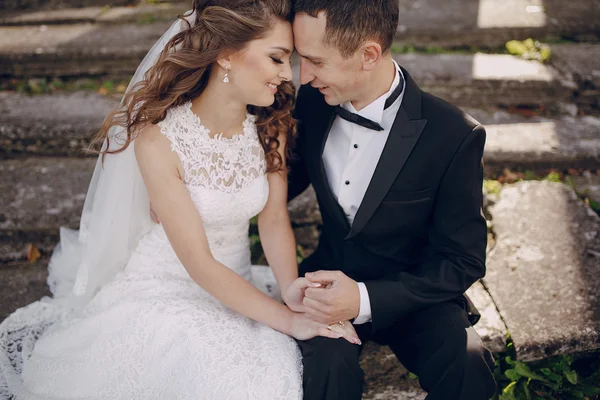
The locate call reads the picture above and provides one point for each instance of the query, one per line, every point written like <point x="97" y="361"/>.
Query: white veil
<point x="115" y="214"/>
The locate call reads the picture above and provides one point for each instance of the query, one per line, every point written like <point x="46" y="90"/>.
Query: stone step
<point x="25" y="5"/>
<point x="487" y="79"/>
<point x="87" y="50"/>
<point x="567" y="142"/>
<point x="544" y="270"/>
<point x="77" y="49"/>
<point x="491" y="23"/>
<point x="581" y="64"/>
<point x="63" y="124"/>
<point x="90" y="49"/>
<point x="141" y="14"/>
<point x="423" y="23"/>
<point x="58" y="125"/>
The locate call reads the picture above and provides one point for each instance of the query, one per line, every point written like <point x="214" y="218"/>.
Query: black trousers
<point x="438" y="344"/>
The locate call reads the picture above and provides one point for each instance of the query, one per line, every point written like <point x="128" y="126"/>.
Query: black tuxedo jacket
<point x="419" y="236"/>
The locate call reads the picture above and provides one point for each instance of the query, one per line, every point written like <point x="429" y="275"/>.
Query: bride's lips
<point x="272" y="87"/>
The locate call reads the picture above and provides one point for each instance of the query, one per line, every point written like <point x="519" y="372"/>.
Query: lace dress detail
<point x="153" y="333"/>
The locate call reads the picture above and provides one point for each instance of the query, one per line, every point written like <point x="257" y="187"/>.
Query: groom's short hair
<point x="352" y="22"/>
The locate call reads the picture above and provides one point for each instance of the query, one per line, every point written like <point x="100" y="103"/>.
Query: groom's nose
<point x="306" y="73"/>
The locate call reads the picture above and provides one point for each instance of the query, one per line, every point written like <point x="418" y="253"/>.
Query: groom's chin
<point x="330" y="100"/>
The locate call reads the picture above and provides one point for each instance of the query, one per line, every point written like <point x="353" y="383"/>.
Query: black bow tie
<point x="367" y="123"/>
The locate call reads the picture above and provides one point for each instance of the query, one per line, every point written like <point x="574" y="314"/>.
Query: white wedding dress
<point x="152" y="332"/>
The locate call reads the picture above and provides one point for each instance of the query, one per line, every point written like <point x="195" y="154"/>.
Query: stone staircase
<point x="543" y="274"/>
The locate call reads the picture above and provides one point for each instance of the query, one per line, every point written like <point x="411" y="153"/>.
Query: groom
<point x="398" y="176"/>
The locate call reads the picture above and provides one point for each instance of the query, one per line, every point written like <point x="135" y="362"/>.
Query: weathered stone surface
<point x="47" y="17"/>
<point x="56" y="125"/>
<point x="582" y="63"/>
<point x="544" y="271"/>
<point x="21" y="284"/>
<point x="567" y="142"/>
<point x="304" y="208"/>
<point x="92" y="49"/>
<point x="490" y="23"/>
<point x="41" y="194"/>
<point x="145" y="13"/>
<point x="490" y="327"/>
<point x="589" y="185"/>
<point x="486" y="79"/>
<point x="14" y="245"/>
<point x="59" y="4"/>
<point x="76" y="50"/>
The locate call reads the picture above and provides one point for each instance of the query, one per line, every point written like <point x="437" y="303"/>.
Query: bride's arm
<point x="162" y="171"/>
<point x="275" y="229"/>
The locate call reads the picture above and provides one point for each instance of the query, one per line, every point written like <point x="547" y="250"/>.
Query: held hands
<point x="303" y="328"/>
<point x="337" y="300"/>
<point x="294" y="295"/>
<point x="323" y="299"/>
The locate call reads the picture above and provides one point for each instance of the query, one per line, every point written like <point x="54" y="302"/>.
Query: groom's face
<point x="322" y="65"/>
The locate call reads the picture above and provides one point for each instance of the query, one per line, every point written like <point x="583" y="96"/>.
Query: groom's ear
<point x="371" y="54"/>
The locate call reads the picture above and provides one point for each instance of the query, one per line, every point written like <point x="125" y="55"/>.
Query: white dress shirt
<point x="351" y="155"/>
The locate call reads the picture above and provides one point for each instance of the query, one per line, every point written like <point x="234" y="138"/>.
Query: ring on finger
<point x="340" y="323"/>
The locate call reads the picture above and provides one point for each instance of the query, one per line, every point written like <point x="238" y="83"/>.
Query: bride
<point x="169" y="311"/>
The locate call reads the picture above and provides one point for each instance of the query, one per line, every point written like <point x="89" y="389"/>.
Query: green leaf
<point x="525" y="387"/>
<point x="525" y="371"/>
<point x="509" y="360"/>
<point x="571" y="377"/>
<point x="509" y="392"/>
<point x="512" y="375"/>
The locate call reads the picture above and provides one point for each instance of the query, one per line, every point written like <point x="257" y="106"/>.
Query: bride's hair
<point x="182" y="70"/>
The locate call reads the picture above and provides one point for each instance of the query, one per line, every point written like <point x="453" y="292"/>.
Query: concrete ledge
<point x="58" y="4"/>
<point x="544" y="270"/>
<point x="487" y="79"/>
<point x="58" y="125"/>
<point x="568" y="142"/>
<point x="490" y="23"/>
<point x="40" y="194"/>
<point x="101" y="50"/>
<point x="141" y="14"/>
<point x="76" y="50"/>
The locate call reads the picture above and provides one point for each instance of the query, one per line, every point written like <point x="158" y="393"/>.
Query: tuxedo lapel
<point x="321" y="183"/>
<point x="405" y="133"/>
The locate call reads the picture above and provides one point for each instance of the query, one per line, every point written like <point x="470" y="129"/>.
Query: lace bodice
<point x="226" y="178"/>
<point x="217" y="163"/>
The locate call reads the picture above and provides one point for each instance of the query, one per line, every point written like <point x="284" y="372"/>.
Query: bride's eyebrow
<point x="284" y="49"/>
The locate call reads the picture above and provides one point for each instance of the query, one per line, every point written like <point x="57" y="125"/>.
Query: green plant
<point x="529" y="49"/>
<point x="557" y="379"/>
<point x="553" y="177"/>
<point x="492" y="186"/>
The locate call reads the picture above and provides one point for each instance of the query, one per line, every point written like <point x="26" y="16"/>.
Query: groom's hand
<point x="338" y="300"/>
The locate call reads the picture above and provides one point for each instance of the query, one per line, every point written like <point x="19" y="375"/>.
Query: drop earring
<point x="226" y="77"/>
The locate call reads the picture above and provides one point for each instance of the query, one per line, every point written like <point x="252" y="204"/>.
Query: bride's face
<point x="263" y="65"/>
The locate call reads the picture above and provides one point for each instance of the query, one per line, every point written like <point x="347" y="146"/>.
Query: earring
<point x="226" y="77"/>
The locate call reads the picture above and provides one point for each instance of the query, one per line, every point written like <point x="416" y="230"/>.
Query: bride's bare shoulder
<point x="150" y="141"/>
<point x="152" y="147"/>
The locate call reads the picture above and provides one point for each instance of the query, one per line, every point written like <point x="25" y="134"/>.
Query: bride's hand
<point x="294" y="294"/>
<point x="304" y="328"/>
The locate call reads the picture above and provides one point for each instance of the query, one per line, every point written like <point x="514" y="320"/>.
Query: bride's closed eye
<point x="277" y="60"/>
